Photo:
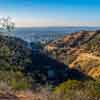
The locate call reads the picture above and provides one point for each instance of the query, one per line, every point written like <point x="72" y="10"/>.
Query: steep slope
<point x="80" y="49"/>
<point x="87" y="63"/>
<point x="14" y="58"/>
<point x="66" y="49"/>
<point x="14" y="51"/>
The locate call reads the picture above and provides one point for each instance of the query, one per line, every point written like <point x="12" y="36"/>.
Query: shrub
<point x="76" y="90"/>
<point x="20" y="84"/>
<point x="5" y="51"/>
<point x="16" y="80"/>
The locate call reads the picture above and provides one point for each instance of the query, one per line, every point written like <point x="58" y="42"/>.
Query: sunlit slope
<point x="80" y="50"/>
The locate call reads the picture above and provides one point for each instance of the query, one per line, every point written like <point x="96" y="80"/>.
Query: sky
<point x="40" y="13"/>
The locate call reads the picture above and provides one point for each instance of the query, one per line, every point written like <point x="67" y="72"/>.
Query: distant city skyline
<point x="41" y="13"/>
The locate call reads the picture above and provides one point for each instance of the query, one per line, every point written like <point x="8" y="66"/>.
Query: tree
<point x="6" y="24"/>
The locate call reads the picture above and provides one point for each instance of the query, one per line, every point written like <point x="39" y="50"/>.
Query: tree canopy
<point x="6" y="24"/>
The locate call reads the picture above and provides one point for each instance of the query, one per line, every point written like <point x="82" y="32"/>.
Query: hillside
<point x="80" y="50"/>
<point x="14" y="58"/>
<point x="27" y="74"/>
<point x="87" y="63"/>
<point x="29" y="67"/>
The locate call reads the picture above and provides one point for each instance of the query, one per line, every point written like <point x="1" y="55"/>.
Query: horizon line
<point x="54" y="26"/>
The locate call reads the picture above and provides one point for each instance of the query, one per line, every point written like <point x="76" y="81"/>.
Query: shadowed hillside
<point x="55" y="71"/>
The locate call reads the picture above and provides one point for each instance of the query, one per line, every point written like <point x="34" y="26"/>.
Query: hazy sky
<point x="52" y="12"/>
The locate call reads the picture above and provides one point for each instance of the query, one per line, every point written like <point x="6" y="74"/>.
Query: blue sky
<point x="52" y="12"/>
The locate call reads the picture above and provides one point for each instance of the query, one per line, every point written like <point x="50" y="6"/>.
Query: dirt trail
<point x="87" y="55"/>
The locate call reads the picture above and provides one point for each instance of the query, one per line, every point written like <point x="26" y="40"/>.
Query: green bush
<point x="76" y="90"/>
<point x="16" y="80"/>
<point x="5" y="51"/>
<point x="20" y="84"/>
